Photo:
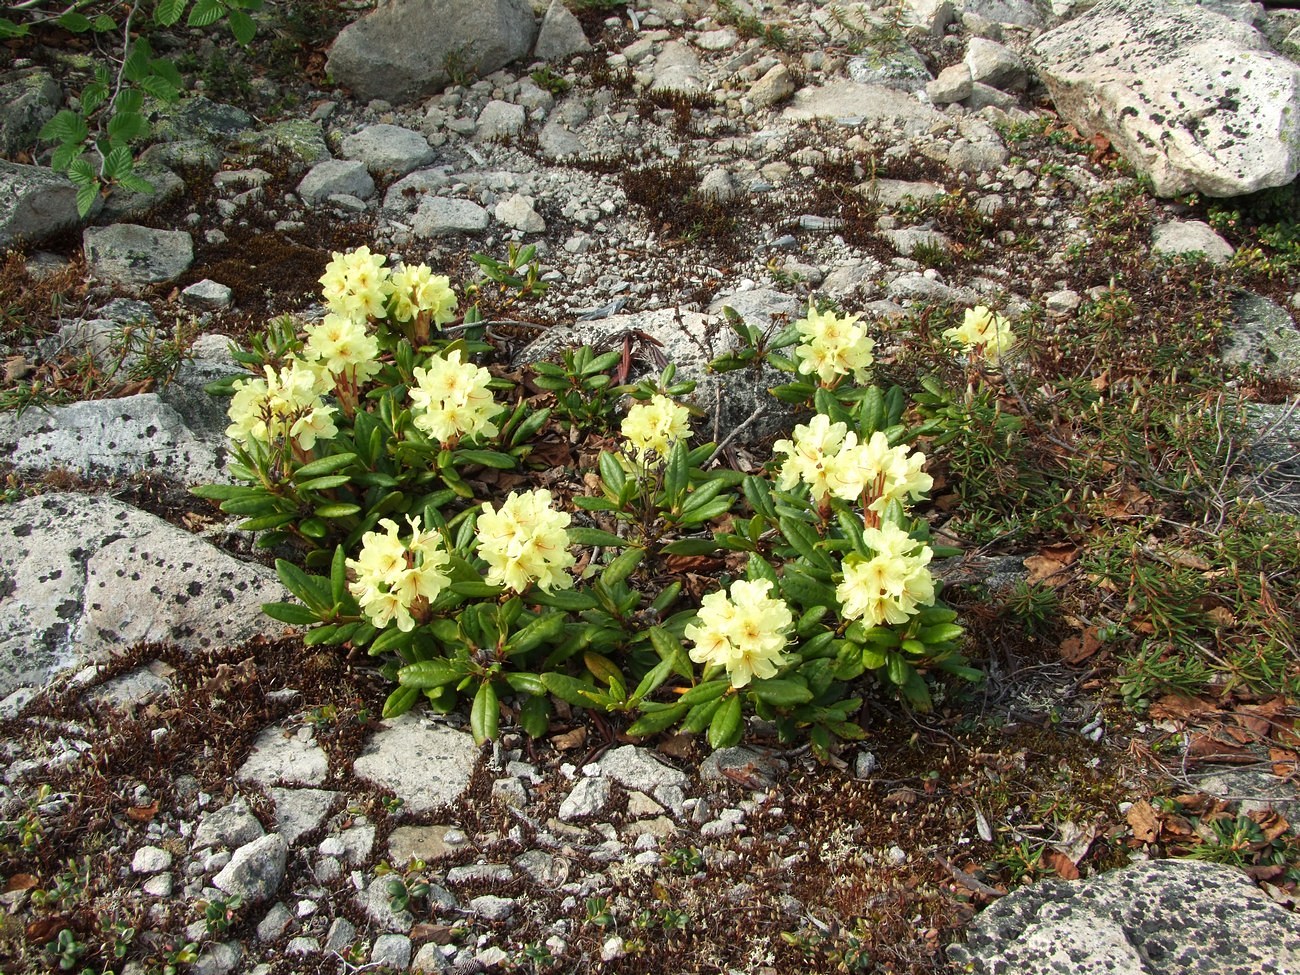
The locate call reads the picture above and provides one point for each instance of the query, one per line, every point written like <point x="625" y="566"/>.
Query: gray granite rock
<point x="426" y="765"/>
<point x="774" y="87"/>
<point x="637" y="768"/>
<point x="285" y="756"/>
<point x="865" y="103"/>
<point x="233" y="825"/>
<point x="588" y="798"/>
<point x="560" y="34"/>
<point x="256" y="870"/>
<point x="1192" y="98"/>
<point x="80" y="576"/>
<point x="29" y="98"/>
<point x="500" y="120"/>
<point x="132" y="256"/>
<point x="517" y="212"/>
<point x="387" y="149"/>
<point x="299" y="811"/>
<point x="1181" y="238"/>
<point x="1169" y="917"/>
<point x="409" y="48"/>
<point x="335" y="176"/>
<point x="441" y="217"/>
<point x="1263" y="335"/>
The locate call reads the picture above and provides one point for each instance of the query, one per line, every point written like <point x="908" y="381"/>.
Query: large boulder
<point x="406" y="49"/>
<point x="83" y="576"/>
<point x="28" y="99"/>
<point x="1194" y="99"/>
<point x="35" y="203"/>
<point x="1168" y="917"/>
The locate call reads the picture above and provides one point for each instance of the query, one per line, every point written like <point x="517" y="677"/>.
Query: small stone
<point x="613" y="949"/>
<point x="150" y="859"/>
<point x="775" y="86"/>
<point x="274" y="924"/>
<point x="588" y="798"/>
<point x="1181" y="238"/>
<point x="430" y="959"/>
<point x="492" y="907"/>
<point x="208" y="295"/>
<point x="159" y="885"/>
<point x="256" y="870"/>
<point x="517" y="212"/>
<point x="636" y="768"/>
<point x="341" y="934"/>
<point x="302" y="946"/>
<point x="218" y="959"/>
<point x="391" y="950"/>
<point x="232" y="825"/>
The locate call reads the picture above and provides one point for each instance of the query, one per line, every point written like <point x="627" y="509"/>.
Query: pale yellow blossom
<point x="392" y="577"/>
<point x="343" y="347"/>
<point x="833" y="346"/>
<point x="984" y="331"/>
<point x="655" y="426"/>
<point x="357" y="285"/>
<point x="893" y="584"/>
<point x="744" y="632"/>
<point x="525" y="541"/>
<point x="451" y="399"/>
<point x="416" y="290"/>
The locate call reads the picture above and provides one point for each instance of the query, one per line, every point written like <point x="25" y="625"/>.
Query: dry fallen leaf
<point x="1049" y="564"/>
<point x="1077" y="649"/>
<point x="570" y="739"/>
<point x="1142" y="820"/>
<point x="142" y="814"/>
<point x="1062" y="865"/>
<point x="1285" y="762"/>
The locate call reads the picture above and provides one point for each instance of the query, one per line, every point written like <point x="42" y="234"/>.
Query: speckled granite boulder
<point x="1168" y="917"/>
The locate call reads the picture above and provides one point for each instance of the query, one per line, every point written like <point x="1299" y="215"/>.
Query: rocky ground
<point x="189" y="787"/>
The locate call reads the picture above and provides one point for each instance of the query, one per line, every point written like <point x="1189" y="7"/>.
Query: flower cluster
<point x="655" y="426"/>
<point x="395" y="580"/>
<point x="744" y="632"/>
<point x="356" y="285"/>
<point x="286" y="404"/>
<point x="341" y="347"/>
<point x="828" y="458"/>
<point x="451" y="399"/>
<point x="833" y="346"/>
<point x="892" y="585"/>
<point x="983" y="330"/>
<point x="525" y="542"/>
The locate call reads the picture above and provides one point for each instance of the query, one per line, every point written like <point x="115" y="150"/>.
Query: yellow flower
<point x="391" y="576"/>
<point x="525" y="541"/>
<point x="655" y="426"/>
<point x="286" y="403"/>
<point x="343" y="347"/>
<point x="834" y="346"/>
<point x="983" y="330"/>
<point x="356" y="284"/>
<point x="811" y="456"/>
<point x="416" y="289"/>
<point x="881" y="472"/>
<point x="451" y="399"/>
<point x="891" y="586"/>
<point x="744" y="632"/>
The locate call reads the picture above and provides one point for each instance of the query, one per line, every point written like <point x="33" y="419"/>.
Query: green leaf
<point x="484" y="714"/>
<point x="400" y="701"/>
<point x="306" y="588"/>
<point x="135" y="183"/>
<point x="341" y="509"/>
<point x="594" y="536"/>
<point x="86" y="197"/>
<point x="604" y="670"/>
<point x="118" y="163"/>
<point x="8" y="29"/>
<point x="803" y="539"/>
<point x="676" y="474"/>
<point x="266" y="522"/>
<point x="205" y="13"/>
<point x="128" y="100"/>
<point x="167" y="12"/>
<point x="700" y="715"/>
<point x="541" y="630"/>
<point x="705" y="513"/>
<point x="66" y="126"/>
<point x="569" y="689"/>
<point x="569" y="600"/>
<point x="726" y="727"/>
<point x="942" y="633"/>
<point x="653" y="722"/>
<point x="339" y="575"/>
<point x="221" y="492"/>
<point x="323" y="466"/>
<point x="691" y="546"/>
<point x="594" y="504"/>
<point x="535" y="716"/>
<point x="103" y="23"/>
<point x="670" y="648"/>
<point x="781" y="693"/>
<point x="290" y="613"/>
<point x="74" y="22"/>
<point x="477" y="590"/>
<point x="160" y="88"/>
<point x="126" y="127"/>
<point x="429" y="674"/>
<point x="708" y="691"/>
<point x="325" y="483"/>
<point x="622" y="567"/>
<point x="611" y="473"/>
<point x="485" y="458"/>
<point x="653" y="678"/>
<point x="244" y="29"/>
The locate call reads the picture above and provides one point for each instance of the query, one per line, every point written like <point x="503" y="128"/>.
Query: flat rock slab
<point x="1168" y="917"/>
<point x="851" y="100"/>
<point x="83" y="575"/>
<point x="114" y="438"/>
<point x="425" y="765"/>
<point x="133" y="256"/>
<point x="35" y="203"/>
<point x="1194" y="99"/>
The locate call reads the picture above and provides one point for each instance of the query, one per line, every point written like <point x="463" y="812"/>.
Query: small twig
<point x="758" y="411"/>
<point x="967" y="881"/>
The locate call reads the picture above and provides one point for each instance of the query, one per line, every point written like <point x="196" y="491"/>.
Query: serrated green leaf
<point x="125" y="127"/>
<point x="205" y="12"/>
<point x="118" y="163"/>
<point x="167" y="12"/>
<point x="244" y="29"/>
<point x="74" y="22"/>
<point x="86" y="196"/>
<point x="65" y="126"/>
<point x="161" y="88"/>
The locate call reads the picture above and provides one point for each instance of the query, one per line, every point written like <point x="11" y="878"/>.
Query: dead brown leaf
<point x="1285" y="761"/>
<point x="1077" y="649"/>
<point x="570" y="740"/>
<point x="143" y="814"/>
<point x="1062" y="865"/>
<point x="1142" y="820"/>
<point x="1049" y="564"/>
